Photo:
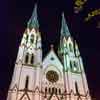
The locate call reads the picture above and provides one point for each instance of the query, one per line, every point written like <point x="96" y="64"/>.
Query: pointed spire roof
<point x="64" y="27"/>
<point x="33" y="21"/>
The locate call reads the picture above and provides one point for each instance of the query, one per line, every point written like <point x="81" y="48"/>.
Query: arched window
<point x="71" y="66"/>
<point x="75" y="65"/>
<point x="26" y="38"/>
<point x="26" y="58"/>
<point x="49" y="90"/>
<point x="26" y="83"/>
<point x="45" y="89"/>
<point x="53" y="90"/>
<point x="32" y="38"/>
<point x="70" y="47"/>
<point x="32" y="59"/>
<point x="76" y="88"/>
<point x="59" y="91"/>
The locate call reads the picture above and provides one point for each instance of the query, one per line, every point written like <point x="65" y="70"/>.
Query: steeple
<point x="51" y="78"/>
<point x="64" y="27"/>
<point x="31" y="41"/>
<point x="33" y="21"/>
<point x="64" y="35"/>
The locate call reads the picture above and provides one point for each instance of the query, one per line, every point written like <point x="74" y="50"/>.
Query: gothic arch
<point x="76" y="88"/>
<point x="26" y="82"/>
<point x="33" y="32"/>
<point x="27" y="38"/>
<point x="26" y="58"/>
<point x="46" y="90"/>
<point x="70" y="47"/>
<point x="25" y="95"/>
<point x="71" y="65"/>
<point x="14" y="88"/>
<point x="32" y="38"/>
<point x="49" y="90"/>
<point x="32" y="59"/>
<point x="59" y="91"/>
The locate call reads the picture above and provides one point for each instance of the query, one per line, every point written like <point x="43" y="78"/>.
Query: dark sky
<point x="14" y="16"/>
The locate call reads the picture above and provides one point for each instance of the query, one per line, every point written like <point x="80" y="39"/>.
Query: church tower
<point x="26" y="81"/>
<point x="76" y="87"/>
<point x="57" y="76"/>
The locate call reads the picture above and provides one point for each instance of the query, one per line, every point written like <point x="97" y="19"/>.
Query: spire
<point x="33" y="21"/>
<point x="64" y="27"/>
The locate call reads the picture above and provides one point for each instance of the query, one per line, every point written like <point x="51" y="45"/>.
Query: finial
<point x="52" y="46"/>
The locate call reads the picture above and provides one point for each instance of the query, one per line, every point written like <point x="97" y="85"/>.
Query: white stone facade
<point x="55" y="77"/>
<point x="39" y="86"/>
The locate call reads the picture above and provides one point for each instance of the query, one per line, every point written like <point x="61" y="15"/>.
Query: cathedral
<point x="57" y="76"/>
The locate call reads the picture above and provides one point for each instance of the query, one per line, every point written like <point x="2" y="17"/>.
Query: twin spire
<point x="33" y="22"/>
<point x="64" y="27"/>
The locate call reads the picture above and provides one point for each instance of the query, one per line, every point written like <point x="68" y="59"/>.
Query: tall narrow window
<point x="32" y="38"/>
<point x="32" y="59"/>
<point x="26" y="83"/>
<point x="53" y="90"/>
<point x="45" y="92"/>
<point x="45" y="89"/>
<point x="26" y="58"/>
<point x="71" y="66"/>
<point x="75" y="66"/>
<point x="70" y="47"/>
<point x="76" y="88"/>
<point x="26" y="38"/>
<point x="49" y="90"/>
<point x="59" y="91"/>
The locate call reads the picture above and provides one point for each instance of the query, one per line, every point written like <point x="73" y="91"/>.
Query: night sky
<point x="14" y="15"/>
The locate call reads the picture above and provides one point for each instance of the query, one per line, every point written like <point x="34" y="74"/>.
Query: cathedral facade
<point x="57" y="76"/>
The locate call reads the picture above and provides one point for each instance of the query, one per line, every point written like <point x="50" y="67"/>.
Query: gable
<point x="54" y="97"/>
<point x="14" y="88"/>
<point x="25" y="96"/>
<point x="52" y="59"/>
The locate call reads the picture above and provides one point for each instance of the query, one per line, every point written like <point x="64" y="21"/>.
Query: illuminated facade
<point x="55" y="77"/>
